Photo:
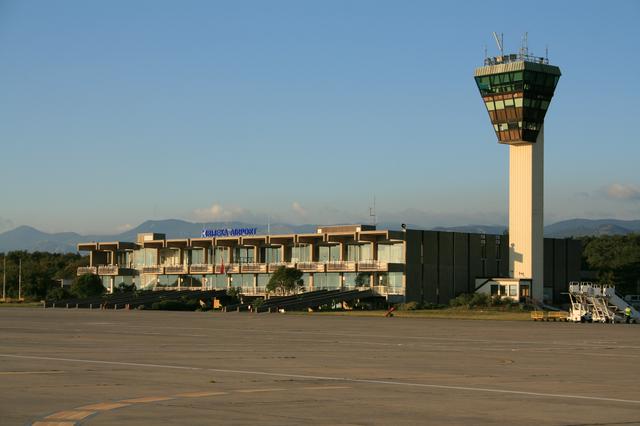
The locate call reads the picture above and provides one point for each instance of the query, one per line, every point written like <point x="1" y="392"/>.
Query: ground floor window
<point x="244" y="281"/>
<point x="356" y="279"/>
<point x="328" y="281"/>
<point x="217" y="282"/>
<point x="167" y="281"/>
<point x="145" y="282"/>
<point x="106" y="282"/>
<point x="263" y="280"/>
<point x="192" y="281"/>
<point x="393" y="282"/>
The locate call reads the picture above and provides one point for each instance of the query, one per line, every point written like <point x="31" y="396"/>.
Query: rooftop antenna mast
<point x="524" y="49"/>
<point x="499" y="42"/>
<point x="372" y="211"/>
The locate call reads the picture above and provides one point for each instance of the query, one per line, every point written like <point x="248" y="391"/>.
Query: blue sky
<point x="116" y="112"/>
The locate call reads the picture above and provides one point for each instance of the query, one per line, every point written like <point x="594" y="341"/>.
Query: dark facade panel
<point x="430" y="267"/>
<point x="461" y="282"/>
<point x="414" y="268"/>
<point x="491" y="267"/>
<point x="559" y="269"/>
<point x="548" y="262"/>
<point x="475" y="261"/>
<point x="445" y="263"/>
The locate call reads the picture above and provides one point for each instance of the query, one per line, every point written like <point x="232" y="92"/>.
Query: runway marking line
<point x="104" y="406"/>
<point x="70" y="415"/>
<point x="335" y="379"/>
<point x="199" y="394"/>
<point x="53" y="424"/>
<point x="325" y="387"/>
<point x="147" y="399"/>
<point x="259" y="390"/>
<point x="18" y="373"/>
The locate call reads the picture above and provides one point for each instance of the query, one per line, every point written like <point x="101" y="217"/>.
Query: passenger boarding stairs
<point x="599" y="303"/>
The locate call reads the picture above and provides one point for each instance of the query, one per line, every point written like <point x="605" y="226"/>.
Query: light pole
<point x="4" y="277"/>
<point x="20" y="280"/>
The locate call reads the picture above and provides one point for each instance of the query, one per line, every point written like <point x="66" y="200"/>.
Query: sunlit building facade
<point x="410" y="265"/>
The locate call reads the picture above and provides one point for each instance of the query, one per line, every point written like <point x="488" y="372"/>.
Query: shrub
<point x="87" y="285"/>
<point x="461" y="300"/>
<point x="473" y="300"/>
<point x="409" y="306"/>
<point x="175" y="305"/>
<point x="59" y="293"/>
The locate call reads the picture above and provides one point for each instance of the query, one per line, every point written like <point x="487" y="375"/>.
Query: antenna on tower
<point x="372" y="211"/>
<point x="524" y="48"/>
<point x="499" y="42"/>
<point x="485" y="52"/>
<point x="546" y="52"/>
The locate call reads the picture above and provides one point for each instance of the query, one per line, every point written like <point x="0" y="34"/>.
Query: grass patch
<point x="20" y="304"/>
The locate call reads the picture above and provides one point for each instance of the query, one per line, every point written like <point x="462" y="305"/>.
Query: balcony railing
<point x="311" y="266"/>
<point x="341" y="266"/>
<point x="254" y="267"/>
<point x="388" y="290"/>
<point x="200" y="268"/>
<point x="231" y="268"/>
<point x="108" y="270"/>
<point x="372" y="265"/>
<point x="275" y="265"/>
<point x="176" y="269"/>
<point x="87" y="270"/>
<point x="153" y="269"/>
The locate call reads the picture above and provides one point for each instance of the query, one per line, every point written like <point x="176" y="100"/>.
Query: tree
<point x="616" y="258"/>
<point x="362" y="279"/>
<point x="285" y="280"/>
<point x="87" y="285"/>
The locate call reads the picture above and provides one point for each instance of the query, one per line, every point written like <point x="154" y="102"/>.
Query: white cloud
<point x="123" y="228"/>
<point x="298" y="209"/>
<point x="6" y="224"/>
<point x="621" y="191"/>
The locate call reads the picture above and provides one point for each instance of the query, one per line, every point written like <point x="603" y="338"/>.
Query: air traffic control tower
<point x="517" y="90"/>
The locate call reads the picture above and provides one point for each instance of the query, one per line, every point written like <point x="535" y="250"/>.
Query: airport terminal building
<point x="402" y="266"/>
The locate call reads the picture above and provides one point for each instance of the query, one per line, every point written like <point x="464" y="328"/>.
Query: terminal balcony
<point x="254" y="267"/>
<point x="311" y="266"/>
<point x="115" y="270"/>
<point x="372" y="266"/>
<point x="153" y="269"/>
<point x="231" y="268"/>
<point x="201" y="268"/>
<point x="341" y="266"/>
<point x="274" y="266"/>
<point x="82" y="270"/>
<point x="176" y="269"/>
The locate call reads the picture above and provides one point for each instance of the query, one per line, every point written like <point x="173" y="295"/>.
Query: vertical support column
<point x="526" y="223"/>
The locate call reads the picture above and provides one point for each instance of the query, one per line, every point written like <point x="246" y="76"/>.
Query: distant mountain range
<point x="31" y="239"/>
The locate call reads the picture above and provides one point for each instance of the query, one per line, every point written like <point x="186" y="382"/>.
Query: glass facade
<point x="169" y="256"/>
<point x="359" y="252"/>
<point x="392" y="253"/>
<point x="169" y="281"/>
<point x="192" y="281"/>
<point x="272" y="254"/>
<point x="244" y="281"/>
<point x="353" y="280"/>
<point x="261" y="282"/>
<point x="518" y="101"/>
<point x="301" y="253"/>
<point x="194" y="256"/>
<point x="327" y="281"/>
<point x="144" y="257"/>
<point x="393" y="282"/>
<point x="244" y="255"/>
<point x="329" y="253"/>
<point x="217" y="281"/>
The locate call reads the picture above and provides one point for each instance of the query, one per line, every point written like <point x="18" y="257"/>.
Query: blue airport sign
<point x="229" y="232"/>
